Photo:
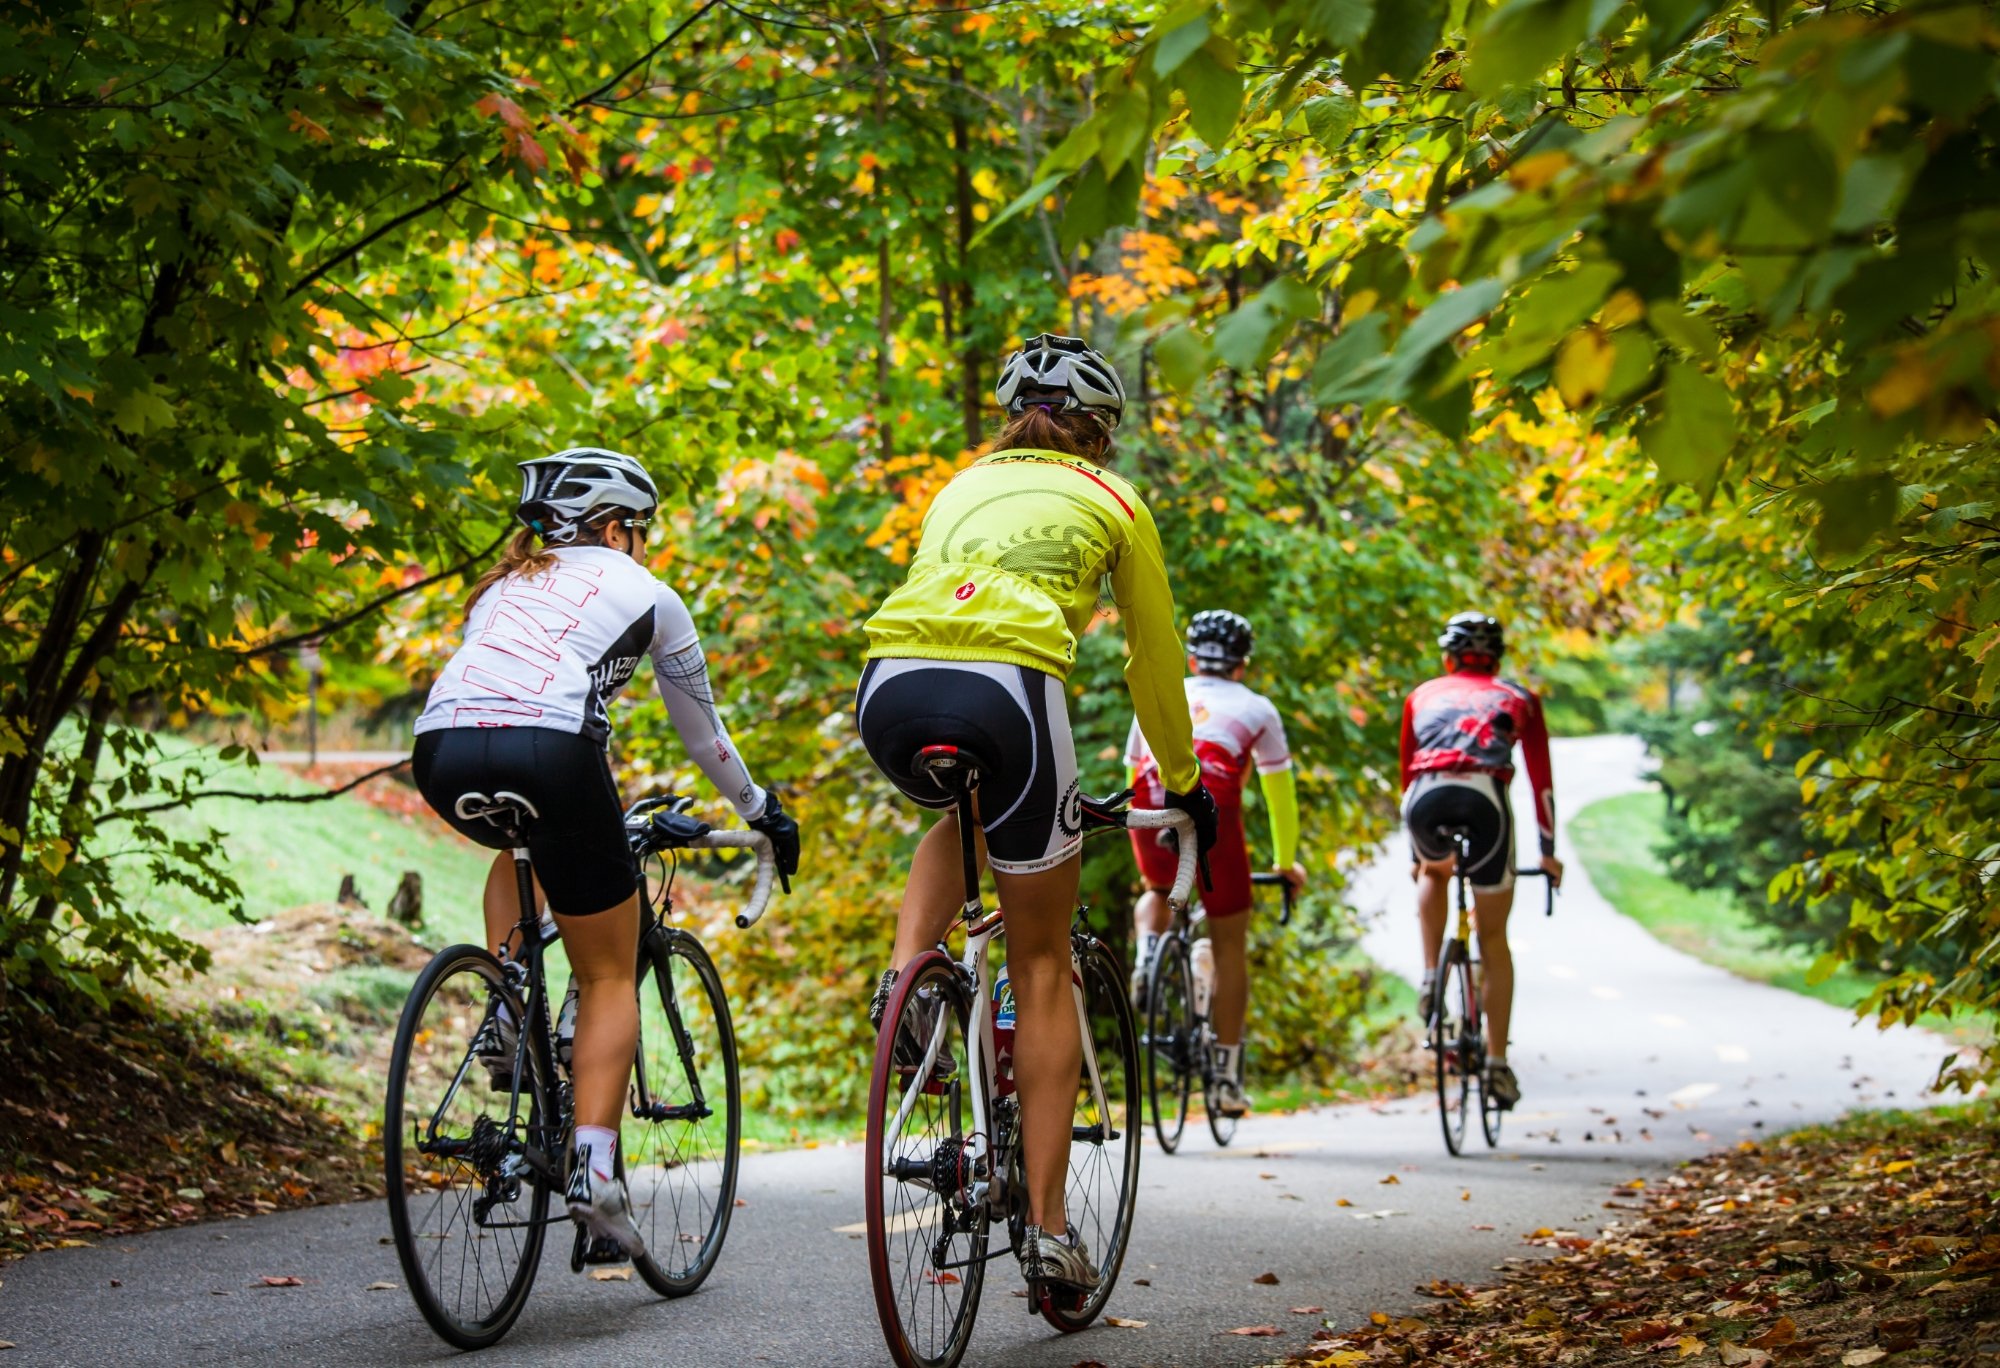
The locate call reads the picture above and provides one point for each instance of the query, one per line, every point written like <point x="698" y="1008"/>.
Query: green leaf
<point x="1350" y="369"/>
<point x="1079" y="147"/>
<point x="1852" y="511"/>
<point x="1183" y="358"/>
<point x="1448" y="316"/>
<point x="1176" y="47"/>
<point x="1087" y="211"/>
<point x="1692" y="333"/>
<point x="1292" y="297"/>
<point x="1128" y="119"/>
<point x="1246" y="340"/>
<point x="140" y="411"/>
<point x="1402" y="38"/>
<point x="1027" y="199"/>
<point x="1214" y="90"/>
<point x="1670" y="22"/>
<point x="1690" y="434"/>
<point x="1342" y="23"/>
<point x="1522" y="40"/>
<point x="1330" y="118"/>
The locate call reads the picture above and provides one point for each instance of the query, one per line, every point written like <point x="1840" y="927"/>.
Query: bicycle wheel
<point x="682" y="1138"/>
<point x="1222" y="1127"/>
<point x="926" y="1239"/>
<point x="1172" y="1041"/>
<point x="1103" y="1187"/>
<point x="1453" y="1040"/>
<point x="467" y="1212"/>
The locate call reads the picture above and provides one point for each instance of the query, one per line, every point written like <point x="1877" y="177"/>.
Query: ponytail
<point x="1043" y="427"/>
<point x="523" y="556"/>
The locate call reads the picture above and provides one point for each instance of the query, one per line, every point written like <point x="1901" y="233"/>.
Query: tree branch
<point x="189" y="799"/>
<point x="285" y="643"/>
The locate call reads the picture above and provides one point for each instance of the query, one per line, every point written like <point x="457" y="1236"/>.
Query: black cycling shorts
<point x="577" y="845"/>
<point x="1477" y="801"/>
<point x="1012" y="718"/>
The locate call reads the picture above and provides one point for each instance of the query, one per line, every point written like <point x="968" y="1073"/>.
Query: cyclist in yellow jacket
<point x="974" y="650"/>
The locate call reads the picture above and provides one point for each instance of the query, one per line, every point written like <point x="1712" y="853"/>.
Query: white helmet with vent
<point x="558" y="491"/>
<point x="1062" y="372"/>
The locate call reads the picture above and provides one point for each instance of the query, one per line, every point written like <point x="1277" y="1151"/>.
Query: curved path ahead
<point x="1632" y="1056"/>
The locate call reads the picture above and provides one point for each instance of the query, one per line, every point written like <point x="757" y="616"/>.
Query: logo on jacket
<point x="964" y="591"/>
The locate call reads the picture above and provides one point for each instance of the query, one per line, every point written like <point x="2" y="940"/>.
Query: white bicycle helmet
<point x="558" y="491"/>
<point x="1053" y="369"/>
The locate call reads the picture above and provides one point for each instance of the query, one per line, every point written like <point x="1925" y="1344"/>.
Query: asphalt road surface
<point x="1631" y="1056"/>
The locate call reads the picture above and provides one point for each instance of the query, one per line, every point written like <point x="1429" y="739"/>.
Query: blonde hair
<point x="524" y="556"/>
<point x="1040" y="427"/>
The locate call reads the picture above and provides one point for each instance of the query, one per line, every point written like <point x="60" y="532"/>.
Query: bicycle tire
<point x="1109" y="1165"/>
<point x="924" y="1323"/>
<point x="686" y="1040"/>
<point x="1172" y="1041"/>
<point x="458" y="981"/>
<point x="1453" y="1033"/>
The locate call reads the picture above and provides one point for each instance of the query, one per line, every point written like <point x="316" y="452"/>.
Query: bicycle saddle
<point x="508" y="811"/>
<point x="951" y="767"/>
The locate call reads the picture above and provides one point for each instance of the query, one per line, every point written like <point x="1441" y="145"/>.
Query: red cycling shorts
<point x="1228" y="861"/>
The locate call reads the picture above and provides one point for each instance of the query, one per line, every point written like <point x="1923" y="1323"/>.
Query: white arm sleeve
<point x="680" y="668"/>
<point x="1270" y="749"/>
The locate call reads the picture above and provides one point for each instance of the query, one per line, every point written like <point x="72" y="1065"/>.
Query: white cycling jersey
<point x="1234" y="728"/>
<point x="552" y="650"/>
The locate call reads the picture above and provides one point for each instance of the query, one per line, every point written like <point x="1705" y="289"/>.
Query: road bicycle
<point x="1454" y="1023"/>
<point x="1177" y="1037"/>
<point x="471" y="1160"/>
<point x="944" y="1162"/>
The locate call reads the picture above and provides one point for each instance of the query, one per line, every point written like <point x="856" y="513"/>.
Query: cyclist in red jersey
<point x="1235" y="727"/>
<point x="1459" y="734"/>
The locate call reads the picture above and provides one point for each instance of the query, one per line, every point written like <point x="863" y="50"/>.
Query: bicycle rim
<point x="1171" y="1041"/>
<point x="1489" y="1109"/>
<point x="1103" y="1186"/>
<point x="1221" y="1126"/>
<point x="467" y="1220"/>
<point x="683" y="1131"/>
<point x="1450" y="1039"/>
<point x="926" y="1244"/>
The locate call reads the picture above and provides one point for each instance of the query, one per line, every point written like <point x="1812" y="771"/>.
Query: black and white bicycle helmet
<point x="1057" y="370"/>
<point x="558" y="491"/>
<point x="1220" y="638"/>
<point x="1474" y="634"/>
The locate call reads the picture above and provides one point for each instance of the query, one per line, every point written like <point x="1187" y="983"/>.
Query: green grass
<point x="1616" y="838"/>
<point x="289" y="854"/>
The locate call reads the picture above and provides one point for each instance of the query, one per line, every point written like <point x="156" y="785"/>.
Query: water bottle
<point x="1003" y="1033"/>
<point x="566" y="1025"/>
<point x="1202" y="958"/>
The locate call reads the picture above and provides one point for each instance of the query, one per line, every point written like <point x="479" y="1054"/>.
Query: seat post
<point x="968" y="841"/>
<point x="524" y="882"/>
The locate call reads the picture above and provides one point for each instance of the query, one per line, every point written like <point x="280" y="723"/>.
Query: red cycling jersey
<point x="1470" y="721"/>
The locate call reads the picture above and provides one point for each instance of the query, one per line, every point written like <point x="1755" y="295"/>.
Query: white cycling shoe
<point x="1058" y="1259"/>
<point x="1230" y="1099"/>
<point x="602" y="1206"/>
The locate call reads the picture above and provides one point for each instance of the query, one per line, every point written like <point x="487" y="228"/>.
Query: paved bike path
<point x="1609" y="1024"/>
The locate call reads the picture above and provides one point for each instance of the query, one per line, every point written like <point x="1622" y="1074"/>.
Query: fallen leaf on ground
<point x="1124" y="1323"/>
<point x="1142" y="1282"/>
<point x="1392" y="1178"/>
<point x="1266" y="1279"/>
<point x="1342" y="1201"/>
<point x="380" y="1287"/>
<point x="283" y="1280"/>
<point x="1736" y="1356"/>
<point x="1784" y="1332"/>
<point x="1860" y="1358"/>
<point x="612" y="1274"/>
<point x="1308" y="1310"/>
<point x="1260" y="1331"/>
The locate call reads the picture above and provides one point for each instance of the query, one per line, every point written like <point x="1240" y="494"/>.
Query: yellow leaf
<point x="1623" y="307"/>
<point x="1907" y="384"/>
<point x="1532" y="173"/>
<point x="1899" y="1166"/>
<point x="1688" y="1344"/>
<point x="1583" y="366"/>
<point x="54" y="856"/>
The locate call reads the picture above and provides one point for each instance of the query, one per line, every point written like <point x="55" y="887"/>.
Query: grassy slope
<point x="289" y="854"/>
<point x="1616" y="838"/>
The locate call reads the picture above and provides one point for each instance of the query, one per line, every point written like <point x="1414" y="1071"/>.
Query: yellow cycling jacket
<point x="1013" y="552"/>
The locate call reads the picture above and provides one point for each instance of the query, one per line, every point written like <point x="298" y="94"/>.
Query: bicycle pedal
<point x="600" y="1251"/>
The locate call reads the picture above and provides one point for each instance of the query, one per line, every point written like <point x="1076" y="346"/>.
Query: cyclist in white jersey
<point x="1235" y="728"/>
<point x="552" y="633"/>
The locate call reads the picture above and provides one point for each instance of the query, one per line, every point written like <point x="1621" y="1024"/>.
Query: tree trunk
<point x="80" y="785"/>
<point x="968" y="354"/>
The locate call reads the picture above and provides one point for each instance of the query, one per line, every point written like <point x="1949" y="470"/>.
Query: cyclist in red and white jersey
<point x="1235" y="727"/>
<point x="1459" y="734"/>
